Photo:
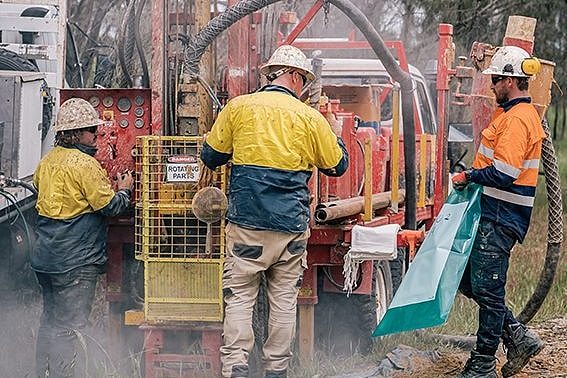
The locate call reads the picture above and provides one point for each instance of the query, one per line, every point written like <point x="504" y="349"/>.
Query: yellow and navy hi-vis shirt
<point x="274" y="141"/>
<point x="507" y="163"/>
<point x="70" y="183"/>
<point x="74" y="197"/>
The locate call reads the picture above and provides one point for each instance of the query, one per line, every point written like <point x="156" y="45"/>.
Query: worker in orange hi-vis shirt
<point x="506" y="164"/>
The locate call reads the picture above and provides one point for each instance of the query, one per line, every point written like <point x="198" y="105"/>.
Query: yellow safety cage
<point x="182" y="282"/>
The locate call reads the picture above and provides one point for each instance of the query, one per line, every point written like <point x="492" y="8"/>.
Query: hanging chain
<point x="326" y="8"/>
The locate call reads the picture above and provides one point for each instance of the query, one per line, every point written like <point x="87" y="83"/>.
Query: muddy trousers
<point x="484" y="281"/>
<point x="67" y="303"/>
<point x="283" y="258"/>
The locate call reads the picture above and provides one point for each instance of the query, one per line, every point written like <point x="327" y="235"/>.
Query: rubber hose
<point x="223" y="21"/>
<point x="76" y="55"/>
<point x="140" y="47"/>
<point x="121" y="46"/>
<point x="554" y="228"/>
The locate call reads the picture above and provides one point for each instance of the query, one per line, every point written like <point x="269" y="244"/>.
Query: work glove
<point x="461" y="180"/>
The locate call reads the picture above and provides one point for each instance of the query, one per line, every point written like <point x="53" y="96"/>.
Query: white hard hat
<point x="76" y="113"/>
<point x="288" y="56"/>
<point x="512" y="61"/>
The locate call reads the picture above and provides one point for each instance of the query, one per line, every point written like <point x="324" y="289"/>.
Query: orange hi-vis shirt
<point x="507" y="164"/>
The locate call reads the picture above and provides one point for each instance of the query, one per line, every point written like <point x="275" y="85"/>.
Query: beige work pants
<point x="283" y="257"/>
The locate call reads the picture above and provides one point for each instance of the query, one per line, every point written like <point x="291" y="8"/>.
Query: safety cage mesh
<point x="182" y="280"/>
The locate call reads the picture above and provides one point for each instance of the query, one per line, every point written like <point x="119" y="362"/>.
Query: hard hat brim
<point x="83" y="126"/>
<point x="492" y="71"/>
<point x="265" y="70"/>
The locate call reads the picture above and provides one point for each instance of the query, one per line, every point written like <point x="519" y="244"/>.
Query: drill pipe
<point x="328" y="211"/>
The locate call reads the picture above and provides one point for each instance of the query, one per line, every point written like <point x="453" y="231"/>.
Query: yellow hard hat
<point x="512" y="61"/>
<point x="76" y="113"/>
<point x="289" y="56"/>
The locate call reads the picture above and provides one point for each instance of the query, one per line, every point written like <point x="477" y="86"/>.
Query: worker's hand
<point x="125" y="181"/>
<point x="461" y="180"/>
<point x="336" y="125"/>
<point x="206" y="176"/>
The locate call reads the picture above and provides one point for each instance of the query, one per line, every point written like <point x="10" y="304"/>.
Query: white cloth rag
<point x="368" y="243"/>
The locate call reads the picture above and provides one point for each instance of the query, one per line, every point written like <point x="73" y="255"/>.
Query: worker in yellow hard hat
<point x="273" y="140"/>
<point x="74" y="197"/>
<point x="506" y="164"/>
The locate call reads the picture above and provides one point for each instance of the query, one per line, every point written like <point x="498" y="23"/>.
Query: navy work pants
<point x="484" y="281"/>
<point x="67" y="303"/>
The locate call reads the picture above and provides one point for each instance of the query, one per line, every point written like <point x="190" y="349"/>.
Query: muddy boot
<point x="479" y="366"/>
<point x="521" y="344"/>
<point x="276" y="374"/>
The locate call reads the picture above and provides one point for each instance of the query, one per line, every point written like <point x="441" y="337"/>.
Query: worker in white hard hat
<point x="506" y="164"/>
<point x="74" y="198"/>
<point x="273" y="140"/>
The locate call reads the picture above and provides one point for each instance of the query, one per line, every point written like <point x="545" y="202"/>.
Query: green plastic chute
<point x="427" y="292"/>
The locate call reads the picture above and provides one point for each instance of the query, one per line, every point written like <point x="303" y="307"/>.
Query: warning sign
<point x="188" y="172"/>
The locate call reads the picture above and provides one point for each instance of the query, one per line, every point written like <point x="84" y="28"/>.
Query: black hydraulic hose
<point x="223" y="21"/>
<point x="76" y="55"/>
<point x="139" y="46"/>
<point x="121" y="45"/>
<point x="406" y="89"/>
<point x="554" y="230"/>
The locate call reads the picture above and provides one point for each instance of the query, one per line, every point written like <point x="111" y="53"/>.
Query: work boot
<point x="276" y="374"/>
<point x="479" y="366"/>
<point x="239" y="371"/>
<point x="521" y="344"/>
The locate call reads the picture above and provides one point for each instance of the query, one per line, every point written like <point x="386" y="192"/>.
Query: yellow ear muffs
<point x="531" y="66"/>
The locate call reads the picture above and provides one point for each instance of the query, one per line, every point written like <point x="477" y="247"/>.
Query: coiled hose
<point x="554" y="228"/>
<point x="223" y="21"/>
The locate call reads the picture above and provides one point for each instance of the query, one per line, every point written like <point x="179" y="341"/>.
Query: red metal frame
<point x="327" y="243"/>
<point x="322" y="244"/>
<point x="158" y="362"/>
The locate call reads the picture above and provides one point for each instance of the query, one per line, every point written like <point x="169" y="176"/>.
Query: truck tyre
<point x="344" y="325"/>
<point x="10" y="61"/>
<point x="398" y="268"/>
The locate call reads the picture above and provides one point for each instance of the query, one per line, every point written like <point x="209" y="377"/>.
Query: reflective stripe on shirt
<point x="516" y="199"/>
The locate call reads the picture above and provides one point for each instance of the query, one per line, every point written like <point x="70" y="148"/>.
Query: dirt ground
<point x="19" y="316"/>
<point x="551" y="362"/>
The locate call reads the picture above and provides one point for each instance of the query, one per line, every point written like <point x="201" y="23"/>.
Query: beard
<point x="502" y="97"/>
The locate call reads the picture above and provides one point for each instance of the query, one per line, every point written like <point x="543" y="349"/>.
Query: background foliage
<point x="101" y="27"/>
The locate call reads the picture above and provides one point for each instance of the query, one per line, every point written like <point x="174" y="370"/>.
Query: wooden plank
<point x="46" y="52"/>
<point x="29" y="24"/>
<point x="306" y="328"/>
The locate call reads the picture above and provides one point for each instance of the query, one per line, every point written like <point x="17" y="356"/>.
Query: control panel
<point x="127" y="115"/>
